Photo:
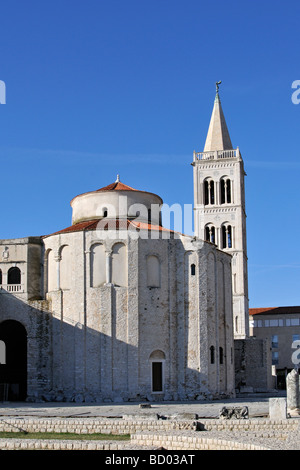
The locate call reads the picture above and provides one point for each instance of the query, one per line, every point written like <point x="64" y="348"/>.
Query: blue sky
<point x="100" y="87"/>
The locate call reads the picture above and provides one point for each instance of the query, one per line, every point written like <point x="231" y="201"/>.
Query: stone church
<point x="118" y="308"/>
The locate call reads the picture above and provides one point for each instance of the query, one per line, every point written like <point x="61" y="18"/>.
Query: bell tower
<point x="219" y="207"/>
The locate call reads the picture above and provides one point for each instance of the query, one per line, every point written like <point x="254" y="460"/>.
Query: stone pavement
<point x="258" y="406"/>
<point x="148" y="432"/>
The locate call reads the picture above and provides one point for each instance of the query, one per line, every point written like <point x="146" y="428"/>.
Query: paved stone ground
<point x="257" y="406"/>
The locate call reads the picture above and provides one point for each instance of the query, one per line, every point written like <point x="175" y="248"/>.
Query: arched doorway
<point x="157" y="359"/>
<point x="13" y="372"/>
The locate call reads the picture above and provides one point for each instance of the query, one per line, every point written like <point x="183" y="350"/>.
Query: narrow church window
<point x="105" y="212"/>
<point x="221" y="355"/>
<point x="236" y="324"/>
<point x="229" y="237"/>
<point x="2" y="352"/>
<point x="226" y="236"/>
<point x="14" y="276"/>
<point x="206" y="199"/>
<point x="225" y="191"/>
<point x="209" y="192"/>
<point x="222" y="188"/>
<point x="228" y="191"/>
<point x="210" y="234"/>
<point x="212" y="355"/>
<point x="193" y="269"/>
<point x="212" y="192"/>
<point x="0" y="277"/>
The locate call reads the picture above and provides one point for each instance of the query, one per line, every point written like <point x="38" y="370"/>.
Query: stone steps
<point x="183" y="441"/>
<point x="171" y="434"/>
<point x="132" y="426"/>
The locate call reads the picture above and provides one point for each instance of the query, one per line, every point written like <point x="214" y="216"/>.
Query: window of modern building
<point x="274" y="341"/>
<point x="275" y="357"/>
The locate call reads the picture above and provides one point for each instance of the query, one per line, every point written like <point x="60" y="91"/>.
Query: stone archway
<point x="13" y="372"/>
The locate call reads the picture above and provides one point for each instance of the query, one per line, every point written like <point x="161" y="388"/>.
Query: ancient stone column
<point x="292" y="393"/>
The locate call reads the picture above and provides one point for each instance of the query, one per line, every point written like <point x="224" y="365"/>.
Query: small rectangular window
<point x="275" y="341"/>
<point x="275" y="357"/>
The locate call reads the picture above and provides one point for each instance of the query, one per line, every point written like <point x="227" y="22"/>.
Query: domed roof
<point x="116" y="200"/>
<point x="116" y="186"/>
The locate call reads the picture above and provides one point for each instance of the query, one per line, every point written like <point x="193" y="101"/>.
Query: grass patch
<point x="65" y="436"/>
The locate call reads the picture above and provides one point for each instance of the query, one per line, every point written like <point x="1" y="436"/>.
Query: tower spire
<point x="217" y="136"/>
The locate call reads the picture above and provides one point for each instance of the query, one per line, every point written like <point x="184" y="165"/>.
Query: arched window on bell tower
<point x="225" y="191"/>
<point x="210" y="233"/>
<point x="209" y="192"/>
<point x="226" y="232"/>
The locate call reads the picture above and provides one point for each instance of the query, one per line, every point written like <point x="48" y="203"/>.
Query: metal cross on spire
<point x="217" y="87"/>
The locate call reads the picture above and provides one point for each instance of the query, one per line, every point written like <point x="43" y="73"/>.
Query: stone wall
<point x="101" y="343"/>
<point x="253" y="365"/>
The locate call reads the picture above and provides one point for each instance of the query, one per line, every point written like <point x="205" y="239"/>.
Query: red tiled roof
<point x="111" y="224"/>
<point x="274" y="310"/>
<point x="117" y="186"/>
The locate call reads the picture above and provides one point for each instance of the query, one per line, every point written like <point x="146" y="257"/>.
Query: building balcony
<point x="12" y="288"/>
